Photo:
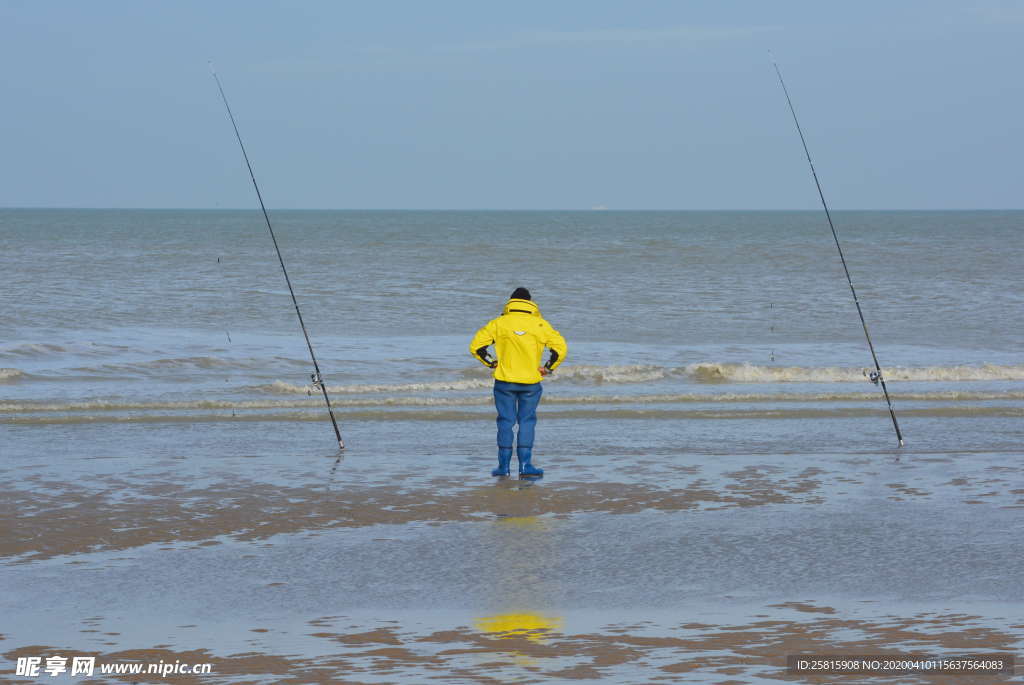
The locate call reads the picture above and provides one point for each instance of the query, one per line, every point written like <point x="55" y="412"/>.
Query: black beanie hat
<point x="520" y="294"/>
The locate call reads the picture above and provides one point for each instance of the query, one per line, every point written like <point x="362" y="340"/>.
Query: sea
<point x="173" y="483"/>
<point x="148" y="317"/>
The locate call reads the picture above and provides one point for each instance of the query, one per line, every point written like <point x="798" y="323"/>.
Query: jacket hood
<point x="517" y="305"/>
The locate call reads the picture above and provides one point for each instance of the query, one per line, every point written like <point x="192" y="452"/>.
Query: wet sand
<point x="653" y="564"/>
<point x="641" y="652"/>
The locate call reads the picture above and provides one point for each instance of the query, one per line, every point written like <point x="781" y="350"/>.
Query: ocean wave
<point x="164" y="366"/>
<point x="11" y="375"/>
<point x="483" y="400"/>
<point x="32" y="350"/>
<point x="196" y="362"/>
<point x="707" y="372"/>
<point x="282" y="388"/>
<point x="633" y="373"/>
<point x="750" y="373"/>
<point x="186" y="405"/>
<point x="83" y="348"/>
<point x="594" y="374"/>
<point x="203" y="362"/>
<point x="481" y="379"/>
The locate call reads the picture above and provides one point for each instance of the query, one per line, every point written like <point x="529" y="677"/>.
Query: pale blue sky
<point x="571" y="104"/>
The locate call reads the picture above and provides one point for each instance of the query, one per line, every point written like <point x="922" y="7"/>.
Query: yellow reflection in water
<point x="520" y="544"/>
<point x="529" y="625"/>
<point x="523" y="523"/>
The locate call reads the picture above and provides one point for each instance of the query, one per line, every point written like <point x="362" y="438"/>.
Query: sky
<point x="575" y="104"/>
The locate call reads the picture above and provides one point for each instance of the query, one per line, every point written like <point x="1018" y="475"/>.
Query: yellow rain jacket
<point x="519" y="337"/>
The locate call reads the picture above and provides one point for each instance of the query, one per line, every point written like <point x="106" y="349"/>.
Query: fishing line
<point x="876" y="375"/>
<point x="226" y="331"/>
<point x="316" y="377"/>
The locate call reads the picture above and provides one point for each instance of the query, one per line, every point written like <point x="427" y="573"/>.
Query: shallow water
<point x="722" y="485"/>
<point x="402" y="564"/>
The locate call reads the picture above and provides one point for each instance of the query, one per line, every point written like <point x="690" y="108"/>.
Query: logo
<point x="519" y="332"/>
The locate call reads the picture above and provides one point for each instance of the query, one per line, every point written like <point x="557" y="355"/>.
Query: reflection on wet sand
<point x="520" y="546"/>
<point x="531" y="647"/>
<point x="50" y="518"/>
<point x="498" y="577"/>
<point x="531" y="626"/>
<point x="68" y="520"/>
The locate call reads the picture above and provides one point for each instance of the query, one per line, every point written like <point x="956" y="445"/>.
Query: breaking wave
<point x="31" y="350"/>
<point x="41" y="350"/>
<point x="636" y="373"/>
<point x="282" y="388"/>
<point x="11" y="375"/>
<point x="147" y="367"/>
<point x="750" y="373"/>
<point x="710" y="372"/>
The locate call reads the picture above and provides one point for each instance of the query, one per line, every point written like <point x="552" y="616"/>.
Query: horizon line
<point x="596" y="210"/>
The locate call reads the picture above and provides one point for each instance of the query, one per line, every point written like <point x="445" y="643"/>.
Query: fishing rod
<point x="316" y="377"/>
<point x="876" y="375"/>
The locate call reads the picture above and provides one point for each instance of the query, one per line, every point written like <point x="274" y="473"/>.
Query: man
<point x="519" y="337"/>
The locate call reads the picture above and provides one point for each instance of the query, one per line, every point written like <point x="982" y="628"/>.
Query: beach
<point x="723" y="486"/>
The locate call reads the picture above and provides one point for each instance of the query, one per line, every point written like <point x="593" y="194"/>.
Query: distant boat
<point x="599" y="208"/>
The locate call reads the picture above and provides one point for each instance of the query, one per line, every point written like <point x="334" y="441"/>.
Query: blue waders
<point x="516" y="403"/>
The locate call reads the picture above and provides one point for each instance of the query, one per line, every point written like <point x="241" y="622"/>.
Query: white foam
<point x="748" y="373"/>
<point x="11" y="375"/>
<point x="706" y="372"/>
<point x="282" y="388"/>
<point x="635" y="373"/>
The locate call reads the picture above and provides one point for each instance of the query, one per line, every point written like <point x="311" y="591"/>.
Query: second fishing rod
<point x="317" y="378"/>
<point x="876" y="376"/>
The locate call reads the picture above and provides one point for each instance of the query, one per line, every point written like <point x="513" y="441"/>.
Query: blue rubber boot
<point x="504" y="459"/>
<point x="525" y="467"/>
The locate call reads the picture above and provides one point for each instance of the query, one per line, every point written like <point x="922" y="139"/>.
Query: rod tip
<point x="901" y="442"/>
